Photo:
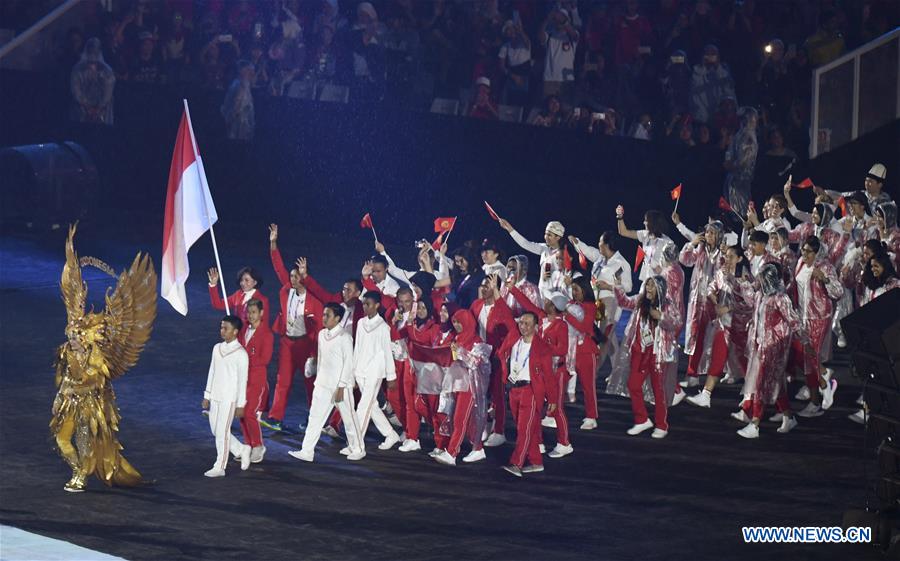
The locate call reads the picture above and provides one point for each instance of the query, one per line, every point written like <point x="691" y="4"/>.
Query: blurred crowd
<point x="678" y="70"/>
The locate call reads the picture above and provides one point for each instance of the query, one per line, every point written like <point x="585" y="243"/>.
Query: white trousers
<point x="221" y="413"/>
<point x="319" y="413"/>
<point x="368" y="410"/>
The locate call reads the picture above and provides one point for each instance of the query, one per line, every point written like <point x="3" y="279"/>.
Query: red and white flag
<point x="190" y="212"/>
<point x="432" y="366"/>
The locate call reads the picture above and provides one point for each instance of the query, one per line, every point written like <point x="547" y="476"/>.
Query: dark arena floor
<point x="616" y="497"/>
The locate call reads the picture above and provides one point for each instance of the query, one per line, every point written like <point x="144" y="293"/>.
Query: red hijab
<point x="468" y="337"/>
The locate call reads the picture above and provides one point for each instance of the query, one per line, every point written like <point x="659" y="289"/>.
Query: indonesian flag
<point x="190" y="212"/>
<point x="638" y="258"/>
<point x="723" y="204"/>
<point x="432" y="366"/>
<point x="805" y="184"/>
<point x="491" y="211"/>
<point x="676" y="192"/>
<point x="444" y="224"/>
<point x="582" y="260"/>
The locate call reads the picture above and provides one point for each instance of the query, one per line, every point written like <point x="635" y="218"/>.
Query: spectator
<point x="710" y="83"/>
<point x="597" y="87"/>
<point x="237" y="109"/>
<point x="642" y="129"/>
<point x="551" y="115"/>
<point x="261" y="66"/>
<point x="633" y="35"/>
<point x="175" y="43"/>
<point x="92" y="86"/>
<point x="776" y="145"/>
<point x="740" y="162"/>
<point x="726" y="114"/>
<point x="774" y="83"/>
<point x="599" y="35"/>
<point x="560" y="39"/>
<point x="328" y="16"/>
<point x="826" y="44"/>
<point x="147" y="68"/>
<point x="482" y="106"/>
<point x="676" y="84"/>
<point x="515" y="63"/>
<point x="325" y="57"/>
<point x="71" y="52"/>
<point x="367" y="54"/>
<point x="212" y="62"/>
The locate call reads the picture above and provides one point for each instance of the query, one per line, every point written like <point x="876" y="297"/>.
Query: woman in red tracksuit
<point x="258" y="341"/>
<point x="580" y="315"/>
<point x="250" y="283"/>
<point x="426" y="332"/>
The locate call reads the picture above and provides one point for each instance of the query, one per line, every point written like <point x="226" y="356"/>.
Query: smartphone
<point x="577" y="112"/>
<point x="225" y="38"/>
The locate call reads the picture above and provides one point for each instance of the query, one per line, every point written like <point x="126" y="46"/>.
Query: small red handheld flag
<point x="567" y="259"/>
<point x="842" y="203"/>
<point x="444" y="224"/>
<point x="805" y="184"/>
<point x="491" y="211"/>
<point x="676" y="192"/>
<point x="436" y="244"/>
<point x="723" y="204"/>
<point x="366" y="222"/>
<point x="582" y="260"/>
<point x="638" y="258"/>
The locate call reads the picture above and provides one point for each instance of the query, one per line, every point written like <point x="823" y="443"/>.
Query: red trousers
<point x="559" y="415"/>
<point x="462" y="415"/>
<point x="526" y="411"/>
<point x="586" y="370"/>
<point x="413" y="421"/>
<point x="719" y="355"/>
<point x="498" y="396"/>
<point x="643" y="364"/>
<point x="700" y="336"/>
<point x="257" y="399"/>
<point x="427" y="407"/>
<point x="396" y="396"/>
<point x="754" y="408"/>
<point x="292" y="355"/>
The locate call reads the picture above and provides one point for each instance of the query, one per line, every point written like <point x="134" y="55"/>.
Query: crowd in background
<point x="677" y="70"/>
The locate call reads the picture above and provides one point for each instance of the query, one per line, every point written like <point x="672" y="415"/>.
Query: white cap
<point x="559" y="300"/>
<point x="878" y="172"/>
<point x="483" y="81"/>
<point x="555" y="227"/>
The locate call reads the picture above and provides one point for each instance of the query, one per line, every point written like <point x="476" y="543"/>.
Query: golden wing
<point x="130" y="311"/>
<point x="74" y="291"/>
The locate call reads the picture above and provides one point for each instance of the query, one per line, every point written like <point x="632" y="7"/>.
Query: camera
<point x="768" y="48"/>
<point x="422" y="244"/>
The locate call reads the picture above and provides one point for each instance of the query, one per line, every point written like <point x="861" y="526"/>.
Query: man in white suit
<point x="333" y="388"/>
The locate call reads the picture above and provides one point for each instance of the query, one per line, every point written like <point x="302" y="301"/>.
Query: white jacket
<point x="227" y="379"/>
<point x="334" y="367"/>
<point x="372" y="357"/>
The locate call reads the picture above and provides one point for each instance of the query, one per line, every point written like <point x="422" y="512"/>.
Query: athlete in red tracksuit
<point x="250" y="284"/>
<point x="495" y="321"/>
<point x="298" y="324"/>
<point x="580" y="315"/>
<point x="555" y="332"/>
<point x="258" y="341"/>
<point x="529" y="374"/>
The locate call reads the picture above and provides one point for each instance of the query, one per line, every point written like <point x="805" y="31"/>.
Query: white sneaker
<point x="300" y="455"/>
<point x="776" y="418"/>
<point x="828" y="394"/>
<point x="345" y="451"/>
<point x="485" y="434"/>
<point x="445" y="458"/>
<point x="638" y="429"/>
<point x="257" y="454"/>
<point x="475" y="456"/>
<point x="389" y="442"/>
<point x="542" y="449"/>
<point x="858" y="417"/>
<point x="495" y="440"/>
<point x="861" y="400"/>
<point x="678" y="398"/>
<point x="726" y="379"/>
<point x="245" y="458"/>
<point x="702" y="399"/>
<point x="410" y="445"/>
<point x="215" y="472"/>
<point x="690" y="382"/>
<point x="588" y="424"/>
<point x="828" y="375"/>
<point x="561" y="450"/>
<point x="532" y="469"/>
<point x="811" y="410"/>
<point x="434" y="453"/>
<point x="741" y="416"/>
<point x="393" y="420"/>
<point x="571" y="396"/>
<point x="548" y="422"/>
<point x="331" y="431"/>
<point x="842" y="341"/>
<point x="803" y="394"/>
<point x="787" y="425"/>
<point x="750" y="431"/>
<point x="659" y="433"/>
<point x="356" y="456"/>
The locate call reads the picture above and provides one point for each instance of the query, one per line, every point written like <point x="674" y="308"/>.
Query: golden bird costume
<point x="100" y="348"/>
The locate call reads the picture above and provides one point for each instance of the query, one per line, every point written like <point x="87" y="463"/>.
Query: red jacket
<point x="500" y="322"/>
<point x="329" y="297"/>
<point x="586" y="327"/>
<point x="259" y="349"/>
<point x="390" y="302"/>
<point x="312" y="310"/>
<point x="556" y="335"/>
<point x="236" y="303"/>
<point x="540" y="366"/>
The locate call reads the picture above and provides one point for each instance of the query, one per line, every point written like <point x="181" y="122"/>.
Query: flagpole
<point x="451" y="229"/>
<point x="212" y="233"/>
<point x="676" y="203"/>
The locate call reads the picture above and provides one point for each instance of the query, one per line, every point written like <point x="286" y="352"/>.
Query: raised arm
<point x="620" y="224"/>
<point x="590" y="252"/>
<point x="524" y="301"/>
<point x="277" y="262"/>
<point x="314" y="287"/>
